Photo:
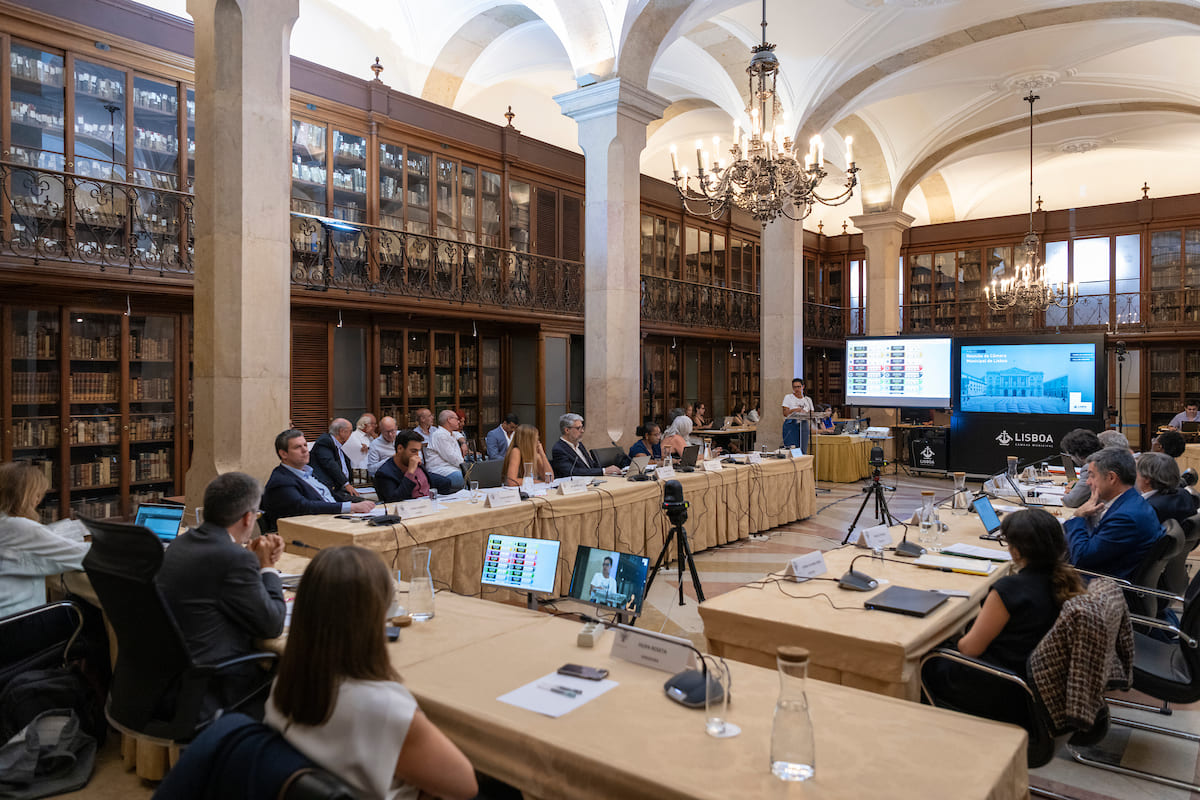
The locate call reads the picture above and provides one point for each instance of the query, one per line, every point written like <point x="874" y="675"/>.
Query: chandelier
<point x="1028" y="290"/>
<point x="764" y="176"/>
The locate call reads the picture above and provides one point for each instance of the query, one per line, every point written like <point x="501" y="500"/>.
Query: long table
<point x="619" y="515"/>
<point x="633" y="742"/>
<point x="850" y="645"/>
<point x="842" y="458"/>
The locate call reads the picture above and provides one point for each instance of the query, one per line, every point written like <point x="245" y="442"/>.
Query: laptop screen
<point x="1188" y="426"/>
<point x="163" y="521"/>
<point x="521" y="563"/>
<point x="987" y="514"/>
<point x="1069" y="468"/>
<point x="609" y="578"/>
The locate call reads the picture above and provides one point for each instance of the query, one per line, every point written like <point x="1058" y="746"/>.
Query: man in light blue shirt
<point x="1190" y="413"/>
<point x="292" y="490"/>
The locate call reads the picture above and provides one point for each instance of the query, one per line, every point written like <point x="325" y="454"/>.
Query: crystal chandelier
<point x="1028" y="290"/>
<point x="764" y="177"/>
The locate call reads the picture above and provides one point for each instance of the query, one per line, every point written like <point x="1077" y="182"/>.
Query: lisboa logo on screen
<point x="1027" y="439"/>
<point x="1004" y="439"/>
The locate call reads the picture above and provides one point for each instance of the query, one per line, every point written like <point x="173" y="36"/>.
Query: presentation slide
<point x="528" y="565"/>
<point x="1028" y="378"/>
<point x="911" y="373"/>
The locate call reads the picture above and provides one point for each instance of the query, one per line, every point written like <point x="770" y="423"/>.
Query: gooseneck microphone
<point x="860" y="581"/>
<point x="299" y="543"/>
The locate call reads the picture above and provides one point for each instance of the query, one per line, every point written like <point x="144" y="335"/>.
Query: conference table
<point x="745" y="435"/>
<point x="1190" y="458"/>
<point x="617" y="514"/>
<point x="842" y="458"/>
<point x="878" y="651"/>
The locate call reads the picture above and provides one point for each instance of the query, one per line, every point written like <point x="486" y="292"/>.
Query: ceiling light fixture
<point x="1028" y="290"/>
<point x="764" y="177"/>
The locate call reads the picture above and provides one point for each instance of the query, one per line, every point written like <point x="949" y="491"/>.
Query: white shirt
<point x="361" y="740"/>
<point x="381" y="450"/>
<point x="353" y="448"/>
<point x="443" y="455"/>
<point x="427" y="438"/>
<point x="793" y="403"/>
<point x="29" y="551"/>
<point x="601" y="583"/>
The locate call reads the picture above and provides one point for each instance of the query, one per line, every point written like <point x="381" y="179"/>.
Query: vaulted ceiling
<point x="931" y="90"/>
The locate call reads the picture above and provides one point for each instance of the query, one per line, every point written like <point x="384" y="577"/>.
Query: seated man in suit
<point x="223" y="588"/>
<point x="403" y="476"/>
<point x="1158" y="481"/>
<point x="330" y="465"/>
<point x="569" y="457"/>
<point x="499" y="437"/>
<point x="1114" y="529"/>
<point x="292" y="490"/>
<point x="383" y="447"/>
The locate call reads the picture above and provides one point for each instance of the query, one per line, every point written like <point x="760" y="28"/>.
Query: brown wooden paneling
<point x="572" y="228"/>
<point x="310" y="377"/>
<point x="545" y="234"/>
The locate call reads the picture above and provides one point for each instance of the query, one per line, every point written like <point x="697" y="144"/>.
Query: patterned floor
<point x="725" y="568"/>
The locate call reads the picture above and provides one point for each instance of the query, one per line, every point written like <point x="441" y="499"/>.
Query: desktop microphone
<point x="861" y="581"/>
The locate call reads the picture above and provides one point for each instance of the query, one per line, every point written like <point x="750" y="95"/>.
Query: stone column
<point x="612" y="119"/>
<point x="883" y="234"/>
<point x="782" y="337"/>
<point x="241" y="353"/>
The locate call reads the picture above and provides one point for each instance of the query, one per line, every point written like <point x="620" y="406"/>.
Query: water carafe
<point x="420" y="586"/>
<point x="962" y="498"/>
<point x="792" y="756"/>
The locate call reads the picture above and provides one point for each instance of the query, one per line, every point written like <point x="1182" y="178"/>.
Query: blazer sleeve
<point x="1107" y="548"/>
<point x="326" y="464"/>
<point x="386" y="485"/>
<point x="497" y="444"/>
<point x="253" y="599"/>
<point x="565" y="462"/>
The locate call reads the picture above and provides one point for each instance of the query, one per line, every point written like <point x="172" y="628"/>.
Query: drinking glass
<point x="433" y="498"/>
<point x="474" y="491"/>
<point x="527" y="481"/>
<point x="716" y="699"/>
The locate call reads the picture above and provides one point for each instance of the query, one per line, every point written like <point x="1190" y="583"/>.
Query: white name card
<point x="797" y="452"/>
<point x="755" y="457"/>
<point x="572" y="486"/>
<point x="420" y="507"/>
<point x="809" y="565"/>
<point x="713" y="465"/>
<point x="665" y="473"/>
<point x="657" y="651"/>
<point x="507" y="496"/>
<point x="876" y="538"/>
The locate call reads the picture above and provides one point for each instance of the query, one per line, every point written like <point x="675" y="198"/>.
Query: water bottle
<point x="792" y="756"/>
<point x="962" y="499"/>
<point x="928" y="519"/>
<point x="420" y="586"/>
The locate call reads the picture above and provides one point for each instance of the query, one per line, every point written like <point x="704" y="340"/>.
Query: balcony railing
<point x="695" y="305"/>
<point x="1131" y="311"/>
<point x="47" y="215"/>
<point x="824" y="322"/>
<point x="334" y="255"/>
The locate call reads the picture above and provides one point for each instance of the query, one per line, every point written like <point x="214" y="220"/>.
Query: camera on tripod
<point x="877" y="460"/>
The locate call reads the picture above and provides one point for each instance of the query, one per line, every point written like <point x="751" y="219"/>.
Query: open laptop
<point x="988" y="516"/>
<point x="1069" y="468"/>
<point x="687" y="461"/>
<point x="162" y="520"/>
<point x="1189" y="426"/>
<point x="727" y="423"/>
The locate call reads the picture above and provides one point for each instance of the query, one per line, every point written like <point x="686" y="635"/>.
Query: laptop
<point x="1189" y="426"/>
<point x="727" y="423"/>
<point x="903" y="600"/>
<point x="988" y="516"/>
<point x="688" y="459"/>
<point x="637" y="466"/>
<point x="1069" y="468"/>
<point x="161" y="520"/>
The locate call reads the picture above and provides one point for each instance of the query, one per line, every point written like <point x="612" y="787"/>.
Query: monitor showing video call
<point x="609" y="579"/>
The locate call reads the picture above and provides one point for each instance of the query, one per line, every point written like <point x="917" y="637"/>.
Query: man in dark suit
<point x="293" y="490"/>
<point x="499" y="437"/>
<point x="1112" y="532"/>
<point x="403" y="476"/>
<point x="569" y="456"/>
<point x="330" y="465"/>
<point x="224" y="590"/>
<point x="1158" y="481"/>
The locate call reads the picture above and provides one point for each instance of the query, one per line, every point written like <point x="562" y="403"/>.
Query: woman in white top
<point x="29" y="551"/>
<point x="337" y="698"/>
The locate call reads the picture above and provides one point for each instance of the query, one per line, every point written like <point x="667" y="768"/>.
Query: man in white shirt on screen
<point x="604" y="586"/>
<point x="443" y="456"/>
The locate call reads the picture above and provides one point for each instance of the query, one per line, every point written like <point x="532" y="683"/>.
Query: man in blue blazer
<point x="499" y="437"/>
<point x="1112" y="532"/>
<point x="403" y="476"/>
<point x="292" y="490"/>
<point x="330" y="465"/>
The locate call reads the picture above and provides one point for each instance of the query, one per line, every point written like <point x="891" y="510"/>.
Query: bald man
<point x="384" y="447"/>
<point x="329" y="463"/>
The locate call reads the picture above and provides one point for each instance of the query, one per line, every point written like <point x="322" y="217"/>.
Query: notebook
<point x="967" y="566"/>
<point x="162" y="520"/>
<point x="903" y="600"/>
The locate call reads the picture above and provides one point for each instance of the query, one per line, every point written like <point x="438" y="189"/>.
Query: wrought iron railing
<point x="824" y="322"/>
<point x="696" y="305"/>
<point x="333" y="255"/>
<point x="1131" y="311"/>
<point x="48" y="215"/>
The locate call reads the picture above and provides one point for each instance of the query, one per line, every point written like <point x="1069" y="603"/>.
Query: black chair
<point x="488" y="473"/>
<point x="1174" y="578"/>
<point x="157" y="689"/>
<point x="38" y="638"/>
<point x="1150" y="571"/>
<point x="607" y="456"/>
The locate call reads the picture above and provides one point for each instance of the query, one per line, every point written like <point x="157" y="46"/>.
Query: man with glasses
<point x="383" y="447"/>
<point x="223" y="589"/>
<point x="569" y="457"/>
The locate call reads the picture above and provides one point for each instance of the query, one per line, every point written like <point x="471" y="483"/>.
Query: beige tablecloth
<point x="1190" y="458"/>
<point x="873" y="650"/>
<point x="842" y="458"/>
<point x="632" y="742"/>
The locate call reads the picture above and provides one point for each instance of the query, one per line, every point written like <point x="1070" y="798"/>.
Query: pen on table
<point x="565" y="691"/>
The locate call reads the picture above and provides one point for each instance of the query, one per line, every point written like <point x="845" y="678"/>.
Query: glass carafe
<point x="962" y="498"/>
<point x="420" y="586"/>
<point x="930" y="535"/>
<point x="792" y="751"/>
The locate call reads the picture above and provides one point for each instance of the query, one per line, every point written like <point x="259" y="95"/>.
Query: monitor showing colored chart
<point x="903" y="372"/>
<point x="521" y="563"/>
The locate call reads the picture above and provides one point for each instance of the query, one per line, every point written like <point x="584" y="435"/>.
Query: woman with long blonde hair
<point x="526" y="446"/>
<point x="29" y="550"/>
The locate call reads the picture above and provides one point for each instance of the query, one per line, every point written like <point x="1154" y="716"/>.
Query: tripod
<point x="876" y="490"/>
<point x="677" y="513"/>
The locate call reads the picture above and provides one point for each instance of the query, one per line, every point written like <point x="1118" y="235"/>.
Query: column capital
<point x="612" y="96"/>
<point x="883" y="220"/>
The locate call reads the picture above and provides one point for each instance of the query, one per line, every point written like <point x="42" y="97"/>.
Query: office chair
<point x="488" y="473"/>
<point x="38" y="638"/>
<point x="1174" y="579"/>
<point x="607" y="456"/>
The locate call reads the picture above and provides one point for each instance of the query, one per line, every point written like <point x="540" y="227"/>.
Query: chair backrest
<point x="488" y="473"/>
<point x="151" y="651"/>
<point x="1174" y="577"/>
<point x="37" y="638"/>
<point x="1150" y="571"/>
<point x="607" y="456"/>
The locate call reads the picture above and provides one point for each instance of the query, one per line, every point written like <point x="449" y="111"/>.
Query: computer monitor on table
<point x="609" y="579"/>
<point x="522" y="563"/>
<point x="160" y="519"/>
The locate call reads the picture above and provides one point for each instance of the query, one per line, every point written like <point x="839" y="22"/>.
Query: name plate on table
<point x="876" y="538"/>
<point x="572" y="486"/>
<point x="809" y="565"/>
<point x="796" y="452"/>
<point x="755" y="458"/>
<point x="656" y="650"/>
<point x="665" y="473"/>
<point x="713" y="465"/>
<point x="409" y="509"/>
<point x="500" y="498"/>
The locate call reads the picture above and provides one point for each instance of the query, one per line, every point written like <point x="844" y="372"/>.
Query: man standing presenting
<point x="383" y="447"/>
<point x="223" y="589"/>
<point x="500" y="437"/>
<point x="403" y="476"/>
<point x="293" y="490"/>
<point x="1113" y="530"/>
<point x="444" y="456"/>
<point x="796" y="407"/>
<point x="330" y="465"/>
<point x="569" y="457"/>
